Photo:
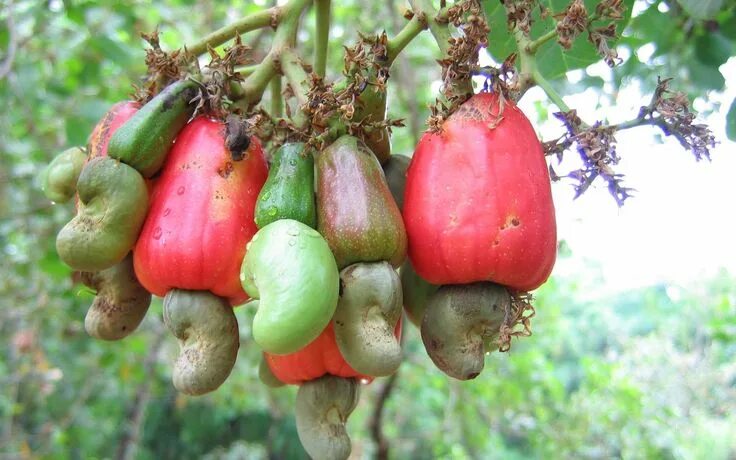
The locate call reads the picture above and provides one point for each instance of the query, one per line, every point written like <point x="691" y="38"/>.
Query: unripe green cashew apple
<point x="290" y="269"/>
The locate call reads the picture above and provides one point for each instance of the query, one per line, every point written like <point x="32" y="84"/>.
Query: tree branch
<point x="265" y="18"/>
<point x="285" y="37"/>
<point x="376" y="422"/>
<point x="416" y="25"/>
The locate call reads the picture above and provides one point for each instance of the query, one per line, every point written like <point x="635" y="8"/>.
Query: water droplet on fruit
<point x="266" y="196"/>
<point x="167" y="211"/>
<point x="292" y="162"/>
<point x="292" y="242"/>
<point x="292" y="231"/>
<point x="272" y="211"/>
<point x="180" y="190"/>
<point x="157" y="233"/>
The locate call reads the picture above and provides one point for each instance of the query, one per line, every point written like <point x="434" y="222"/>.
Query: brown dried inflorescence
<point x="517" y="322"/>
<point x="519" y="14"/>
<point x="571" y="23"/>
<point x="596" y="146"/>
<point x="461" y="61"/>
<point x="366" y="65"/>
<point x="163" y="68"/>
<point x="676" y="119"/>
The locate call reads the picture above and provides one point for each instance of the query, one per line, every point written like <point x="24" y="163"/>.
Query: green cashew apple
<point x="288" y="266"/>
<point x="146" y="138"/>
<point x="355" y="210"/>
<point x="289" y="190"/>
<point x="417" y="292"/>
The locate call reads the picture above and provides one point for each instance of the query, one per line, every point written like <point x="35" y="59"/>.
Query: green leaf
<point x="713" y="48"/>
<point x="731" y="122"/>
<point x="552" y="60"/>
<point x="701" y="9"/>
<point x="706" y="76"/>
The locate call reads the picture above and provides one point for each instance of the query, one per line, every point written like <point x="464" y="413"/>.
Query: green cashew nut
<point x="208" y="339"/>
<point x="59" y="178"/>
<point x="369" y="308"/>
<point x="460" y="324"/>
<point x="322" y="409"/>
<point x="113" y="201"/>
<point x="290" y="268"/>
<point x="120" y="304"/>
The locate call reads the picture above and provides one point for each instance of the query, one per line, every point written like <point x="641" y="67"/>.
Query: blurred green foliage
<point x="644" y="374"/>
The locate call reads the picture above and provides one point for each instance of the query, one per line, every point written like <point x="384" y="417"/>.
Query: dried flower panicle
<point x="163" y="67"/>
<point x="459" y="65"/>
<point x="676" y="119"/>
<point x="571" y="22"/>
<point x="596" y="145"/>
<point x="519" y="14"/>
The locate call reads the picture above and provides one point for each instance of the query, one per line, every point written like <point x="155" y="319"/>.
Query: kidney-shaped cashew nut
<point x="120" y="304"/>
<point x="369" y="308"/>
<point x="459" y="325"/>
<point x="208" y="339"/>
<point x="322" y="409"/>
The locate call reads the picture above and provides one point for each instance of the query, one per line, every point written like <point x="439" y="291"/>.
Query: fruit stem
<point x="285" y="37"/>
<point x="298" y="79"/>
<point x="260" y="19"/>
<point x="277" y="102"/>
<point x="322" y="28"/>
<point x="550" y="91"/>
<point x="533" y="46"/>
<point x="417" y="24"/>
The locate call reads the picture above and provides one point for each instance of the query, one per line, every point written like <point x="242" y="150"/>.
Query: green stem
<point x="395" y="45"/>
<point x="441" y="33"/>
<point x="439" y="30"/>
<point x="298" y="79"/>
<point x="277" y="101"/>
<point x="322" y="28"/>
<point x="251" y="22"/>
<point x="285" y="37"/>
<point x="534" y="45"/>
<point x="551" y="93"/>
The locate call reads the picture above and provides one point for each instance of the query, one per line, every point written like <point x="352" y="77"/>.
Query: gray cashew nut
<point x="459" y="325"/>
<point x="120" y="304"/>
<point x="370" y="305"/>
<point x="322" y="409"/>
<point x="208" y="339"/>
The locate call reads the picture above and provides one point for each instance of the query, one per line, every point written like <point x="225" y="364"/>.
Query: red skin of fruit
<point x="478" y="203"/>
<point x="320" y="357"/>
<point x="201" y="215"/>
<point x="108" y="124"/>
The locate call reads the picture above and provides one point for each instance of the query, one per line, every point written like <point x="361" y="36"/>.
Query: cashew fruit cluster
<point x="168" y="203"/>
<point x="322" y="267"/>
